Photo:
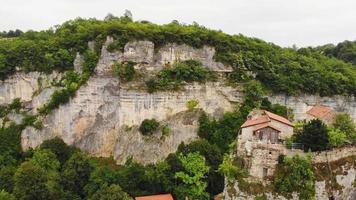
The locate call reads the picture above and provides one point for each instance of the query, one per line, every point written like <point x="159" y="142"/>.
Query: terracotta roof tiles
<point x="319" y="111"/>
<point x="278" y="118"/>
<point x="156" y="197"/>
<point x="252" y="122"/>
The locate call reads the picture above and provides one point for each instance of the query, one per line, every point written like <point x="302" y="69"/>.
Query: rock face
<point x="24" y="86"/>
<point x="96" y="117"/>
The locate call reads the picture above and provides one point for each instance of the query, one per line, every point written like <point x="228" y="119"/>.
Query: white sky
<point x="284" y="22"/>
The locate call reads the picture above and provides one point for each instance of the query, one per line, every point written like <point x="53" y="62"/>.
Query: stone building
<point x="261" y="142"/>
<point x="325" y="114"/>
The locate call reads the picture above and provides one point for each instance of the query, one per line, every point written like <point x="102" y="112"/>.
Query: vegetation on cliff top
<point x="283" y="70"/>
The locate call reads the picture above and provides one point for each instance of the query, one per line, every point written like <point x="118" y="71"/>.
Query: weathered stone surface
<point x="172" y="53"/>
<point x="23" y="86"/>
<point x="145" y="149"/>
<point x="142" y="52"/>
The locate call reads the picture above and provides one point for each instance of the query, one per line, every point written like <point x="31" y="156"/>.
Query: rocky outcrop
<point x="95" y="118"/>
<point x="25" y="86"/>
<point x="142" y="52"/>
<point x="181" y="127"/>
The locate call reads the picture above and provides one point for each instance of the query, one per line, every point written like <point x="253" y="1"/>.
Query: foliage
<point x="344" y="51"/>
<point x="10" y="144"/>
<point x="174" y="77"/>
<point x="314" y="136"/>
<point x="220" y="132"/>
<point x="6" y="196"/>
<point x="337" y="138"/>
<point x="166" y="131"/>
<point x="312" y="71"/>
<point x="6" y="178"/>
<point x="195" y="171"/>
<point x="71" y="83"/>
<point x="191" y="104"/>
<point x="76" y="173"/>
<point x="228" y="169"/>
<point x="295" y="174"/>
<point x="277" y="109"/>
<point x="345" y="124"/>
<point x="15" y="105"/>
<point x="30" y="182"/>
<point x="149" y="126"/>
<point x="112" y="192"/>
<point x="213" y="157"/>
<point x="125" y="71"/>
<point x="59" y="148"/>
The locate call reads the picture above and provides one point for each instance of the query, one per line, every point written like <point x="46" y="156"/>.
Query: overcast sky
<point x="283" y="22"/>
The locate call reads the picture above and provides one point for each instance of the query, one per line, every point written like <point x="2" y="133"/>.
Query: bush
<point x="295" y="174"/>
<point x="125" y="71"/>
<point x="149" y="126"/>
<point x="191" y="104"/>
<point x="166" y="131"/>
<point x="345" y="124"/>
<point x="337" y="138"/>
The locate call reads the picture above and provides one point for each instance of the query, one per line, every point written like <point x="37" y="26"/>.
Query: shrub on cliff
<point x="125" y="71"/>
<point x="295" y="174"/>
<point x="149" y="126"/>
<point x="176" y="76"/>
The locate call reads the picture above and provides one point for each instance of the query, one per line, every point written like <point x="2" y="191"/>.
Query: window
<point x="265" y="172"/>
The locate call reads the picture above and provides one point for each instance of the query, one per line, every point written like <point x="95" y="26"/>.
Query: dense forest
<point x="345" y="51"/>
<point x="281" y="70"/>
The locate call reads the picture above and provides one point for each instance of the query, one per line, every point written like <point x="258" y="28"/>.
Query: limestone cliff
<point x="95" y="119"/>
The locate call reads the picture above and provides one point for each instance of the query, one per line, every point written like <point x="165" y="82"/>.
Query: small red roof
<point x="261" y="126"/>
<point x="156" y="197"/>
<point x="319" y="111"/>
<point x="252" y="122"/>
<point x="266" y="118"/>
<point x="278" y="118"/>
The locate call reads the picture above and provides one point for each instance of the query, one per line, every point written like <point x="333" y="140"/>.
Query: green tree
<point x="193" y="176"/>
<point x="30" y="182"/>
<point x="76" y="173"/>
<point x="112" y="192"/>
<point x="337" y="138"/>
<point x="295" y="174"/>
<point x="46" y="160"/>
<point x="229" y="169"/>
<point x="7" y="178"/>
<point x="345" y="124"/>
<point x="314" y="136"/>
<point x="58" y="147"/>
<point x="6" y="196"/>
<point x="149" y="126"/>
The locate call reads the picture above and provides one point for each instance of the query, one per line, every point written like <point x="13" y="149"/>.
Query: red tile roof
<point x="252" y="122"/>
<point x="266" y="118"/>
<point x="319" y="111"/>
<point x="278" y="118"/>
<point x="261" y="126"/>
<point x="156" y="197"/>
